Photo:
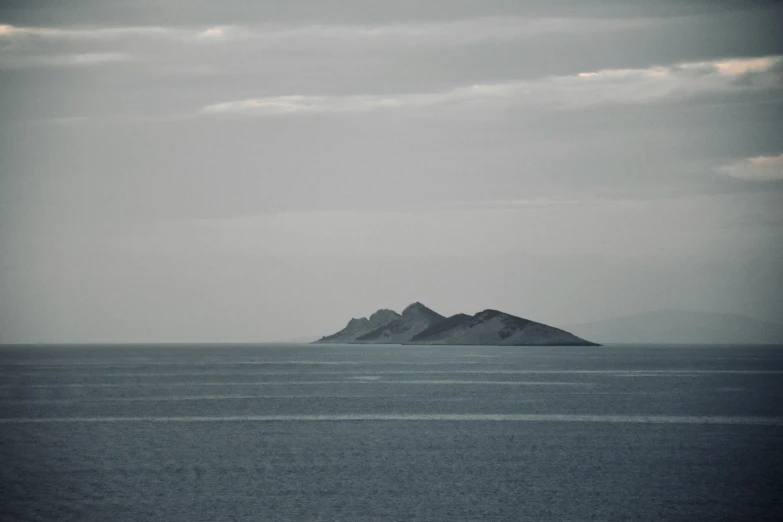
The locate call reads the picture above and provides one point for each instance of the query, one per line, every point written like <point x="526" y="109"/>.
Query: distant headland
<point x="420" y="325"/>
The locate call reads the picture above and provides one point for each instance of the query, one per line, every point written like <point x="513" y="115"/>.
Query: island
<point x="420" y="325"/>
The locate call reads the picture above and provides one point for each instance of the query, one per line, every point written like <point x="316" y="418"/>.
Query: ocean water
<point x="338" y="432"/>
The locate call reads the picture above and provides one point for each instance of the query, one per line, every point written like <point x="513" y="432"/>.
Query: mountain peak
<point x="414" y="306"/>
<point x="383" y="316"/>
<point x="417" y="310"/>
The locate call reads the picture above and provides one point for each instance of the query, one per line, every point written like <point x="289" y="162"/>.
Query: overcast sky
<point x="248" y="171"/>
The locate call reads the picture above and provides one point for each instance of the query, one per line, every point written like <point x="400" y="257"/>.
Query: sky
<point x="241" y="171"/>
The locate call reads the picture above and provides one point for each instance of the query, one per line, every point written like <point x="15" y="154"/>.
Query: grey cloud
<point x="446" y="32"/>
<point x="489" y="45"/>
<point x="350" y="161"/>
<point x="16" y="40"/>
<point x="63" y="60"/>
<point x="24" y="34"/>
<point x="759" y="168"/>
<point x="625" y="86"/>
<point x="144" y="12"/>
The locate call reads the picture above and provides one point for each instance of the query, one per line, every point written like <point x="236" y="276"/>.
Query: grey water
<point x="339" y="432"/>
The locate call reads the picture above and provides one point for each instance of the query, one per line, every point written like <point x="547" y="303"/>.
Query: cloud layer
<point x="624" y="86"/>
<point x="759" y="168"/>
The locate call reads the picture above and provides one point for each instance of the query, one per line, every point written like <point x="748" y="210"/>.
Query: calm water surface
<point x="301" y="432"/>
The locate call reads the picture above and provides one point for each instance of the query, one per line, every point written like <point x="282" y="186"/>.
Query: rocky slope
<point x="359" y="327"/>
<point x="414" y="319"/>
<point x="421" y="325"/>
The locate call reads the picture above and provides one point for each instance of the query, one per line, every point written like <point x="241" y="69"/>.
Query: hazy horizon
<point x="260" y="171"/>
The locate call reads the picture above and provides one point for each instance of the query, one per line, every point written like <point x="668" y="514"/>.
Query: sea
<point x="390" y="433"/>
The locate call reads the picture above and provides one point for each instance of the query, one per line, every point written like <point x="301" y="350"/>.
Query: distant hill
<point x="669" y="326"/>
<point x="420" y="325"/>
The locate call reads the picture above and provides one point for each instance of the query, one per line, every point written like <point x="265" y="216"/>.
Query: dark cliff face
<point x="384" y="331"/>
<point x="447" y="324"/>
<point x="420" y="325"/>
<point x="414" y="319"/>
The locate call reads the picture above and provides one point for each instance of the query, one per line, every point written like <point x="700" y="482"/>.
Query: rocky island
<point x="420" y="325"/>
